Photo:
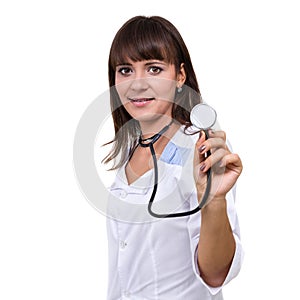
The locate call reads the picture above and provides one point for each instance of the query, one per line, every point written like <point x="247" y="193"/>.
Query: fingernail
<point x="202" y="148"/>
<point x="202" y="167"/>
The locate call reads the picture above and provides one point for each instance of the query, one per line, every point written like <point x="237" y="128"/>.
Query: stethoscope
<point x="202" y="117"/>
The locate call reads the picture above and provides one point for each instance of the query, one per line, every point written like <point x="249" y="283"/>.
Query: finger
<point x="232" y="161"/>
<point x="215" y="159"/>
<point x="212" y="143"/>
<point x="217" y="133"/>
<point x="201" y="138"/>
<point x="198" y="157"/>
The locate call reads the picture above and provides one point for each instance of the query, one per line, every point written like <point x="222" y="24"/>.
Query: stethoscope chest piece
<point x="203" y="116"/>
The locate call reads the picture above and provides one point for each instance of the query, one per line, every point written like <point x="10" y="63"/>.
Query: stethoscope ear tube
<point x="179" y="214"/>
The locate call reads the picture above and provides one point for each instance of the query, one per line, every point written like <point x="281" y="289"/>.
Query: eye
<point x="124" y="71"/>
<point x="155" y="70"/>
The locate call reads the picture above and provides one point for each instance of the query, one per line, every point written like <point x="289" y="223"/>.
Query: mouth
<point x="141" y="100"/>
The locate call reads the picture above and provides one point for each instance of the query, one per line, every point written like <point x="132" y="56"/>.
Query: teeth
<point x="142" y="100"/>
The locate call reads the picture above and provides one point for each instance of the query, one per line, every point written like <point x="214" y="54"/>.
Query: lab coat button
<point x="123" y="194"/>
<point x="123" y="244"/>
<point x="126" y="295"/>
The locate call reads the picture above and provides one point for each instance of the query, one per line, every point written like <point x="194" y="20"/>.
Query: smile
<point x="141" y="102"/>
<point x="141" y="99"/>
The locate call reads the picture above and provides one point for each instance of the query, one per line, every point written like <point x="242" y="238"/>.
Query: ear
<point x="181" y="76"/>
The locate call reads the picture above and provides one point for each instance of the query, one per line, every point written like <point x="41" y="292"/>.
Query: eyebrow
<point x="146" y="64"/>
<point x="160" y="62"/>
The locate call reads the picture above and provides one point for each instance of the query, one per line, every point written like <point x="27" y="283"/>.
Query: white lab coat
<point x="156" y="259"/>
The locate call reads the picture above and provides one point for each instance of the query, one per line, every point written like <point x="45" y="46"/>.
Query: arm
<point x="216" y="245"/>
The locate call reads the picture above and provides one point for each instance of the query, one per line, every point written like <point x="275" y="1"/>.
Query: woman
<point x="153" y="89"/>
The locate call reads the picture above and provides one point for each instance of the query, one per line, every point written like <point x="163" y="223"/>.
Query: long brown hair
<point x="145" y="38"/>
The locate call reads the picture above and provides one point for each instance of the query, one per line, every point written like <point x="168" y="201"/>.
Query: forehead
<point x="139" y="46"/>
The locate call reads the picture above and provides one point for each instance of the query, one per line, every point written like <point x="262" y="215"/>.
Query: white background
<point x="53" y="64"/>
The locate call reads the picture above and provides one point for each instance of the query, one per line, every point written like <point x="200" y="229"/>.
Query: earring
<point x="179" y="89"/>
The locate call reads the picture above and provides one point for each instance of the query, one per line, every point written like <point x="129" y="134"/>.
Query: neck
<point x="153" y="139"/>
<point x="151" y="128"/>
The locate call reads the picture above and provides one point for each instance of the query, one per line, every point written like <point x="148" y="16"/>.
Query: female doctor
<point x="153" y="89"/>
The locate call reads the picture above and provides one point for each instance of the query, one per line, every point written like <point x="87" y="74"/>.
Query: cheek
<point x="166" y="91"/>
<point x="122" y="89"/>
<point x="121" y="82"/>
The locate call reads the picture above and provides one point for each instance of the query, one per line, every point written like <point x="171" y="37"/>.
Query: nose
<point x="139" y="83"/>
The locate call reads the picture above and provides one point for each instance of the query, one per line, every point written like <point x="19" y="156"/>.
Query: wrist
<point x="214" y="217"/>
<point x="216" y="204"/>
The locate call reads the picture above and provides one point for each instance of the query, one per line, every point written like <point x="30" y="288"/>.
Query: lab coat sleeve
<point x="194" y="230"/>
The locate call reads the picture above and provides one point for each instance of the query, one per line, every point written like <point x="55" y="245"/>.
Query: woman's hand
<point x="216" y="245"/>
<point x="225" y="166"/>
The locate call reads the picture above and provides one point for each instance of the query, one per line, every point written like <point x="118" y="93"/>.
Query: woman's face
<point x="147" y="88"/>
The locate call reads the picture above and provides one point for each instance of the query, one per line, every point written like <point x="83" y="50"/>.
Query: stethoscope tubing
<point x="179" y="214"/>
